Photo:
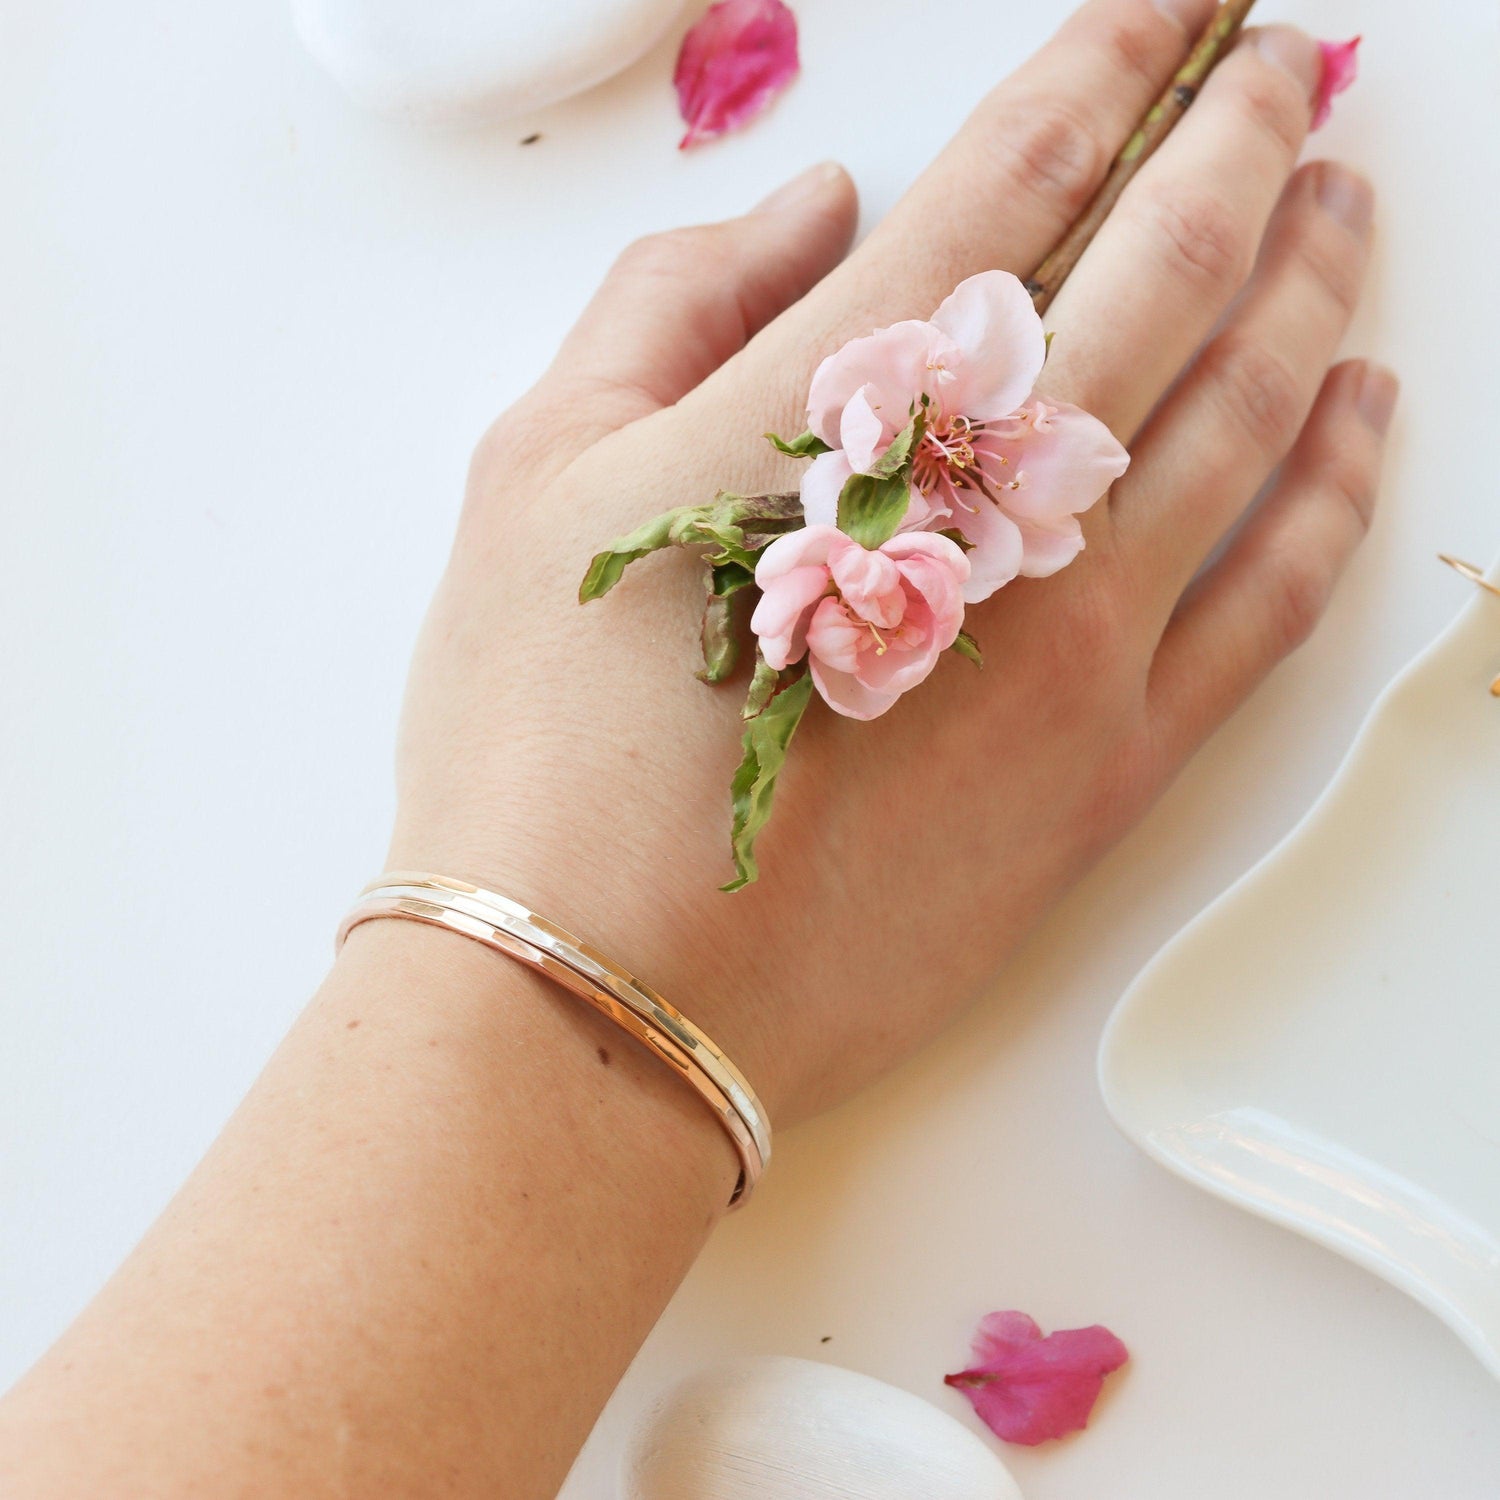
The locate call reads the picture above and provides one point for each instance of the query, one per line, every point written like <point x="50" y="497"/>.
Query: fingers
<point x="1238" y="410"/>
<point x="1263" y="598"/>
<point x="1018" y="173"/>
<point x="1034" y="152"/>
<point x="1185" y="233"/>
<point x="676" y="305"/>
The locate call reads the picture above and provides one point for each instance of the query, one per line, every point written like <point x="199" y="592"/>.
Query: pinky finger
<point x="1261" y="600"/>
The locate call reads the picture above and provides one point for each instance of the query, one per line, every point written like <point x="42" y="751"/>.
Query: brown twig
<point x="1046" y="281"/>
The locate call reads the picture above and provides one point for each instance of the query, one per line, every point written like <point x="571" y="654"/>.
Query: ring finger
<point x="1237" y="412"/>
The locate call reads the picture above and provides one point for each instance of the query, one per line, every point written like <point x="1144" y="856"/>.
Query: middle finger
<point x="1184" y="236"/>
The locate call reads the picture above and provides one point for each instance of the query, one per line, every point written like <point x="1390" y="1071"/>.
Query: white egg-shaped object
<point x="794" y="1429"/>
<point x="492" y="59"/>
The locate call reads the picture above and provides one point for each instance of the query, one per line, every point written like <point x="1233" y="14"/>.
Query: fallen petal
<point x="1027" y="1388"/>
<point x="1340" y="69"/>
<point x="733" y="63"/>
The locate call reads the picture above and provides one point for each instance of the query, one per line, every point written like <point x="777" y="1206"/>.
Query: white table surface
<point x="247" y="337"/>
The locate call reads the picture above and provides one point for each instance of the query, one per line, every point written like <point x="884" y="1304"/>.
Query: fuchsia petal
<point x="1340" y="69"/>
<point x="733" y="63"/>
<point x="1027" y="1388"/>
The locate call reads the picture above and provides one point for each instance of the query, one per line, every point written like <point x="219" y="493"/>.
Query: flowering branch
<point x="935" y="475"/>
<point x="1046" y="281"/>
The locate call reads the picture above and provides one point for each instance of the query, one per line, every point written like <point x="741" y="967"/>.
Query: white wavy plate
<point x="1322" y="1044"/>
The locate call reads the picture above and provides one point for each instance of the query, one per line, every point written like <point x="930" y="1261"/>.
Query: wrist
<point x="624" y="1118"/>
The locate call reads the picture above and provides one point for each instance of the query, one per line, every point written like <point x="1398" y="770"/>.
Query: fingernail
<point x="1376" y="401"/>
<point x="809" y="184"/>
<point x="1347" y="197"/>
<point x="1293" y="52"/>
<point x="1191" y="15"/>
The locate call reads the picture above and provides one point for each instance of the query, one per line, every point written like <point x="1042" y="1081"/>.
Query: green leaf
<point x="872" y="506"/>
<point x="957" y="537"/>
<point x="728" y="578"/>
<point x="762" y="685"/>
<point x="721" y="524"/>
<point x="1047" y="345"/>
<point x="968" y="648"/>
<point x="767" y="737"/>
<point x="871" y="510"/>
<point x="738" y="526"/>
<point x="804" y="445"/>
<point x="721" y="644"/>
<point x="607" y="567"/>
<point x="772" y="516"/>
<point x="721" y="647"/>
<point x="897" y="455"/>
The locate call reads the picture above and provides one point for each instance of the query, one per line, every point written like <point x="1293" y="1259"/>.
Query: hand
<point x="567" y="755"/>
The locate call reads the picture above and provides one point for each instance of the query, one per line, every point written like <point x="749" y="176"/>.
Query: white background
<point x="247" y="338"/>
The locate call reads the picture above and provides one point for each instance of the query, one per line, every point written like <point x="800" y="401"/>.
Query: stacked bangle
<point x="509" y="928"/>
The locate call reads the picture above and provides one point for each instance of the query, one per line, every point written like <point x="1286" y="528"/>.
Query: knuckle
<point x="1123" y="781"/>
<point x="1297" y="595"/>
<point x="1259" y="391"/>
<point x="1133" y="50"/>
<point x="1273" y="104"/>
<point x="1337" y="267"/>
<point x="1199" y="237"/>
<point x="1050" y="152"/>
<point x="1351" y="479"/>
<point x="1098" y="630"/>
<point x="669" y="254"/>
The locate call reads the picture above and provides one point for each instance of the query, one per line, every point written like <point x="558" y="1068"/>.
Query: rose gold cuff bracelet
<point x="510" y="928"/>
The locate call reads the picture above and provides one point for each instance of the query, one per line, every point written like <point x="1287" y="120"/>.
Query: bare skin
<point x="425" y="1248"/>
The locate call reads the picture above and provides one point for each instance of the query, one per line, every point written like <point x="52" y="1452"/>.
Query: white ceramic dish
<point x="1322" y="1044"/>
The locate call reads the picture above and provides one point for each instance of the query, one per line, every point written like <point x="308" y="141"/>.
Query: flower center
<point x="955" y="456"/>
<point x="945" y="452"/>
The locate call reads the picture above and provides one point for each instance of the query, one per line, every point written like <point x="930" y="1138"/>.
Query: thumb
<point x="676" y="305"/>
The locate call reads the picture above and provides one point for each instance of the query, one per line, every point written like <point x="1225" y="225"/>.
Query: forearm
<point x="422" y="1252"/>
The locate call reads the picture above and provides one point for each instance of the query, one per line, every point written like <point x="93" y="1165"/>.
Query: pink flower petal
<point x="807" y="547"/>
<point x="993" y="320"/>
<point x="733" y="63"/>
<point x="889" y="365"/>
<point x="823" y="482"/>
<point x="1026" y="1388"/>
<point x="1049" y="549"/>
<point x="862" y="433"/>
<point x="1069" y="459"/>
<point x="1340" y="69"/>
<point x="999" y="548"/>
<point x="844" y="693"/>
<point x="782" y="615"/>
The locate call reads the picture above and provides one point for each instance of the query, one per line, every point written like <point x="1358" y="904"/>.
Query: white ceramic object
<point x="1322" y="1044"/>
<point x="491" y="59"/>
<point x="794" y="1429"/>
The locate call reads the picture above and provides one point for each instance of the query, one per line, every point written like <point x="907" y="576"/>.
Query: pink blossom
<point x="871" y="622"/>
<point x="1340" y="69"/>
<point x="1008" y="471"/>
<point x="732" y="64"/>
<point x="1027" y="1388"/>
